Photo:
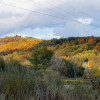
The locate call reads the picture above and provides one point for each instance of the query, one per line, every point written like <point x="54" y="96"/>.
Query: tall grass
<point x="19" y="83"/>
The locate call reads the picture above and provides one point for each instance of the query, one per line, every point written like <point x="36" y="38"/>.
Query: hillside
<point x="54" y="66"/>
<point x="76" y="49"/>
<point x="17" y="43"/>
<point x="72" y="45"/>
<point x="61" y="46"/>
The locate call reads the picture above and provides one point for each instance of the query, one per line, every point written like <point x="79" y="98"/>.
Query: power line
<point x="71" y="7"/>
<point x="30" y="10"/>
<point x="84" y="13"/>
<point x="44" y="13"/>
<point x="39" y="12"/>
<point x="58" y="7"/>
<point x="51" y="9"/>
<point x="71" y="13"/>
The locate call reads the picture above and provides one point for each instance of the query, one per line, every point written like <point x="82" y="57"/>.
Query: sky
<point x="47" y="19"/>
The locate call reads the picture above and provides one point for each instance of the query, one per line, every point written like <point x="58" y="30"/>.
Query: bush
<point x="65" y="67"/>
<point x="80" y="71"/>
<point x="69" y="69"/>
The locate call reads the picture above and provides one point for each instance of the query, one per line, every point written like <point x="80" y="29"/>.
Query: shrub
<point x="65" y="67"/>
<point x="80" y="71"/>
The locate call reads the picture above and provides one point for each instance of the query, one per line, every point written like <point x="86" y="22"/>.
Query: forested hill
<point x="72" y="45"/>
<point x="71" y="40"/>
<point x="17" y="43"/>
<point x="63" y="46"/>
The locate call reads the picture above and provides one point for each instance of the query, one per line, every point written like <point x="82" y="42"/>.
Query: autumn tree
<point x="91" y="40"/>
<point x="97" y="47"/>
<point x="81" y="41"/>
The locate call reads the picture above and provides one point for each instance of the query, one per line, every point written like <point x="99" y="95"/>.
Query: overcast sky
<point x="58" y="18"/>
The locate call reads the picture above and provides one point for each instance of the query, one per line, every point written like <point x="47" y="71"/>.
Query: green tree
<point x="40" y="58"/>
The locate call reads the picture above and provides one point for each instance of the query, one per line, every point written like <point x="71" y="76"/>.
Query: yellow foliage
<point x="11" y="44"/>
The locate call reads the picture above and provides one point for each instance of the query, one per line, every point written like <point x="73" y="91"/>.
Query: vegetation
<point x="66" y="68"/>
<point x="40" y="58"/>
<point x="12" y="44"/>
<point x="57" y="69"/>
<point x="17" y="83"/>
<point x="2" y="64"/>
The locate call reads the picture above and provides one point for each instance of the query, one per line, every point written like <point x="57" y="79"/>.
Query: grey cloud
<point x="15" y="20"/>
<point x="4" y="15"/>
<point x="73" y="29"/>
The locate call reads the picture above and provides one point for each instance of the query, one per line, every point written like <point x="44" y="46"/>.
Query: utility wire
<point x="51" y="9"/>
<point x="44" y="13"/>
<point x="58" y="8"/>
<point x="79" y="11"/>
<point x="39" y="12"/>
<point x="71" y="13"/>
<point x="84" y="13"/>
